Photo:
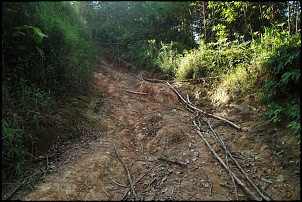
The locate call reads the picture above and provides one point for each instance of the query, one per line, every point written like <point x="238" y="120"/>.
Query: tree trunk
<point x="204" y="21"/>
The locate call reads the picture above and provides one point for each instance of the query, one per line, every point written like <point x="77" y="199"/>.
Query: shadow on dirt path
<point x="155" y="138"/>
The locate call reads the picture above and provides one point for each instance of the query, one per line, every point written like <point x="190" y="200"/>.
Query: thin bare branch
<point x="133" y="92"/>
<point x="128" y="173"/>
<point x="199" y="110"/>
<point x="245" y="188"/>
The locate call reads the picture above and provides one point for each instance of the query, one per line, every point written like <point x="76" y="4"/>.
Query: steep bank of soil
<point x="167" y="160"/>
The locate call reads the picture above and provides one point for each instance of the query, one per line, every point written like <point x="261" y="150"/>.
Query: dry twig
<point x="125" y="195"/>
<point x="172" y="161"/>
<point x="246" y="189"/>
<point x="139" y="93"/>
<point x="119" y="183"/>
<point x="199" y="110"/>
<point x="128" y="173"/>
<point x="218" y="138"/>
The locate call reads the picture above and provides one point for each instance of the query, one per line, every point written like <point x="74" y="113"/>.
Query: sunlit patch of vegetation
<point x="267" y="68"/>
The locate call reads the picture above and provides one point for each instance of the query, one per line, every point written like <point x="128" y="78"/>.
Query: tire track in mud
<point x="144" y="128"/>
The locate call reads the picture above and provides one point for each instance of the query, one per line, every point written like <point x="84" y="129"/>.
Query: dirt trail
<point x="145" y="127"/>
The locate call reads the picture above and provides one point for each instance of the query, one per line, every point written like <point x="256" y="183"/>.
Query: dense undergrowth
<point x="47" y="63"/>
<point x="266" y="70"/>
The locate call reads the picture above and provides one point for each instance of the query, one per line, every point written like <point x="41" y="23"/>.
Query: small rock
<point x="280" y="178"/>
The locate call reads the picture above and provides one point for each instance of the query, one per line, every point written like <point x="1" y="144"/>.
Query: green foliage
<point x="36" y="34"/>
<point x="280" y="55"/>
<point x="47" y="57"/>
<point x="212" y="59"/>
<point x="15" y="155"/>
<point x="167" y="59"/>
<point x="69" y="49"/>
<point x="270" y="64"/>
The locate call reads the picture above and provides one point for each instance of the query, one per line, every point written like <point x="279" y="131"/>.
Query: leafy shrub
<point x="167" y="59"/>
<point x="280" y="53"/>
<point x="47" y="56"/>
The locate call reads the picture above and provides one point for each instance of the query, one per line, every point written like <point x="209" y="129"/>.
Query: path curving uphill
<point x="144" y="146"/>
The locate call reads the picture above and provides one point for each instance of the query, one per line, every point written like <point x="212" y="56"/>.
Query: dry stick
<point x="234" y="125"/>
<point x="105" y="64"/>
<point x="172" y="161"/>
<point x="119" y="183"/>
<point x="199" y="110"/>
<point x="267" y="198"/>
<point x="187" y="80"/>
<point x="11" y="193"/>
<point x="232" y="177"/>
<point x="217" y="138"/>
<point x="251" y="195"/>
<point x="156" y="80"/>
<point x="128" y="91"/>
<point x="128" y="173"/>
<point x="125" y="195"/>
<point x="19" y="185"/>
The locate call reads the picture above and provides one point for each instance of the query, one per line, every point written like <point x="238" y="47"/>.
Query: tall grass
<point x="47" y="58"/>
<point x="266" y="69"/>
<point x="15" y="155"/>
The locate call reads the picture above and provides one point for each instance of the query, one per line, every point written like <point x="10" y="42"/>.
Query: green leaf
<point x="37" y="34"/>
<point x="18" y="33"/>
<point x="294" y="74"/>
<point x="41" y="52"/>
<point x="23" y="27"/>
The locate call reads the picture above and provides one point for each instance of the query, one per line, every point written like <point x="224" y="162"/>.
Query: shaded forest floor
<point x="154" y="136"/>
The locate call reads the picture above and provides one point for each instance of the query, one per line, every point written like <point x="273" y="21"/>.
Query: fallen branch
<point x="128" y="173"/>
<point x="125" y="195"/>
<point x="12" y="192"/>
<point x="172" y="161"/>
<point x="199" y="110"/>
<point x="119" y="183"/>
<point x="105" y="64"/>
<point x="246" y="189"/>
<point x="139" y="93"/>
<point x="201" y="78"/>
<point x="186" y="80"/>
<point x="154" y="80"/>
<point x="218" y="138"/>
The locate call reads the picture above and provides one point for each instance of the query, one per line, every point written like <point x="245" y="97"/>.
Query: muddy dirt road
<point x="143" y="127"/>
